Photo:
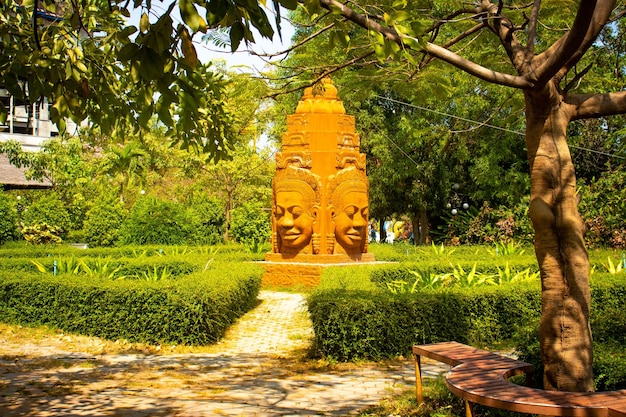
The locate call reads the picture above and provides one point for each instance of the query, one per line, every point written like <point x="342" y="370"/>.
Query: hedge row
<point x="352" y="324"/>
<point x="194" y="309"/>
<point x="354" y="318"/>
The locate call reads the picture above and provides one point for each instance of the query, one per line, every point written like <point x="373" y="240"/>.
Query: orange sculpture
<point x="320" y="190"/>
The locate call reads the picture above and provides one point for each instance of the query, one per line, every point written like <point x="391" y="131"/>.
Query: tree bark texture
<point x="564" y="332"/>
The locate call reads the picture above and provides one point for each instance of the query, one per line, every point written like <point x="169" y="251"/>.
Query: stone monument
<point x="319" y="193"/>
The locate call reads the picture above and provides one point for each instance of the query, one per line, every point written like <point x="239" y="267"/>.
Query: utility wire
<point x="516" y="132"/>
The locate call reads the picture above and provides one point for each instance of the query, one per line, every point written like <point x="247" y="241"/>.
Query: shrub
<point x="603" y="206"/>
<point x="490" y="225"/>
<point x="250" y="223"/>
<point x="207" y="221"/>
<point x="103" y="223"/>
<point x="8" y="219"/>
<point x="48" y="210"/>
<point x="154" y="221"/>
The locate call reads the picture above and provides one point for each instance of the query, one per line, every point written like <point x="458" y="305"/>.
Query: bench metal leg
<point x="418" y="379"/>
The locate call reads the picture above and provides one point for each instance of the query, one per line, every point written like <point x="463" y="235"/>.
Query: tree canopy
<point x="89" y="61"/>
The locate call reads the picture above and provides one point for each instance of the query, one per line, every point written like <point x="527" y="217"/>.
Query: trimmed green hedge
<point x="194" y="309"/>
<point x="353" y="324"/>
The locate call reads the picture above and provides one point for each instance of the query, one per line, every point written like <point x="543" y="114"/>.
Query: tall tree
<point x="247" y="176"/>
<point x="548" y="66"/>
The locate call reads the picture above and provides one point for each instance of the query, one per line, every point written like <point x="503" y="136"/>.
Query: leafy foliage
<point x="87" y="61"/>
<point x="154" y="221"/>
<point x="8" y="218"/>
<point x="251" y="224"/>
<point x="42" y="233"/>
<point x="603" y="206"/>
<point x="103" y="223"/>
<point x="207" y="220"/>
<point x="50" y="210"/>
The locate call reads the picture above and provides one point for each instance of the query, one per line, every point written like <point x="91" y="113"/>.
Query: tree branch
<point x="567" y="51"/>
<point x="432" y="49"/>
<point x="296" y="45"/>
<point x="532" y="27"/>
<point x="591" y="106"/>
<point x="577" y="78"/>
<point x="324" y="74"/>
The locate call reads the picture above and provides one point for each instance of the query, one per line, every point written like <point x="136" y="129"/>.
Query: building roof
<point x="12" y="177"/>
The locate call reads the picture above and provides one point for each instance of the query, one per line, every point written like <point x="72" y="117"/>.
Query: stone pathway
<point x="257" y="370"/>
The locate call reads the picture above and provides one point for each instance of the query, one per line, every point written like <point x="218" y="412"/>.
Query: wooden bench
<point x="481" y="377"/>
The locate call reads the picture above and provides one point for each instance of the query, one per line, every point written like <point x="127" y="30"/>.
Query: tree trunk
<point x="228" y="210"/>
<point x="564" y="331"/>
<point x="419" y="222"/>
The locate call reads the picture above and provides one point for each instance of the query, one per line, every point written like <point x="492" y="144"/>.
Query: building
<point x="29" y="125"/>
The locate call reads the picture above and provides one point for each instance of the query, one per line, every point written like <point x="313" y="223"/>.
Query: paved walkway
<point x="257" y="370"/>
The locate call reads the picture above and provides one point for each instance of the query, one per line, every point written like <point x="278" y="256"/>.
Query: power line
<point x="516" y="132"/>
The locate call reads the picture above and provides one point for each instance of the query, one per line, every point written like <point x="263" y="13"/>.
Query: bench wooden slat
<point x="480" y="377"/>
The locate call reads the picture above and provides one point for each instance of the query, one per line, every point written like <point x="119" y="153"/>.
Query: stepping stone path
<point x="257" y="370"/>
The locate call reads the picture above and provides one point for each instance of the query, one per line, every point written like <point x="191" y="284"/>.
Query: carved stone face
<point x="293" y="222"/>
<point x="351" y="221"/>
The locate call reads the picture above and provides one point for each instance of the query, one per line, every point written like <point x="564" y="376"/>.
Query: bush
<point x="48" y="210"/>
<point x="490" y="225"/>
<point x="603" y="206"/>
<point x="207" y="221"/>
<point x="102" y="226"/>
<point x="250" y="223"/>
<point x="154" y="221"/>
<point x="8" y="219"/>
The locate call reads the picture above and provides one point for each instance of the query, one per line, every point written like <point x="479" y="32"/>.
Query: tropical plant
<point x="441" y="249"/>
<point x="509" y="275"/>
<point x="472" y="278"/>
<point x="61" y="266"/>
<point x="507" y="248"/>
<point x="428" y="279"/>
<point x="100" y="268"/>
<point x="157" y="274"/>
<point x="41" y="233"/>
<point x="611" y="267"/>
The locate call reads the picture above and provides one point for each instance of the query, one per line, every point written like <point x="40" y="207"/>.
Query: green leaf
<point x="145" y="116"/>
<point x="289" y="4"/>
<point x="151" y="64"/>
<point x="191" y="17"/>
<point x="400" y="16"/>
<point x="144" y="23"/>
<point x="189" y="51"/>
<point x="128" y="52"/>
<point x="216" y="11"/>
<point x="236" y="35"/>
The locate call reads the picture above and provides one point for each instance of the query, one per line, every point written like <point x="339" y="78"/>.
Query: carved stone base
<point x="320" y="259"/>
<point x="304" y="269"/>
